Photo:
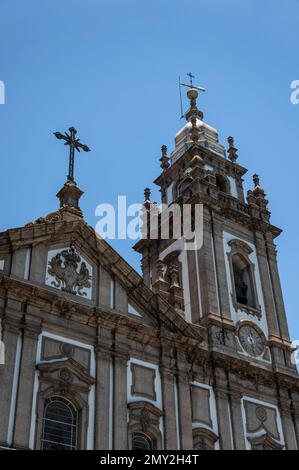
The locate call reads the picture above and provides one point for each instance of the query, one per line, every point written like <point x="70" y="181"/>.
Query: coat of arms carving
<point x="64" y="268"/>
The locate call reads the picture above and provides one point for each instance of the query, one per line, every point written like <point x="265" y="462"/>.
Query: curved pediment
<point x="65" y="369"/>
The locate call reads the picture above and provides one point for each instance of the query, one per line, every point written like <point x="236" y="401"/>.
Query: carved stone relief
<point x="67" y="271"/>
<point x="261" y="418"/>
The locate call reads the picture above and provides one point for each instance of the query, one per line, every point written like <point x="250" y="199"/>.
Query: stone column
<point x="26" y="382"/>
<point x="185" y="409"/>
<point x="11" y="331"/>
<point x="170" y="418"/>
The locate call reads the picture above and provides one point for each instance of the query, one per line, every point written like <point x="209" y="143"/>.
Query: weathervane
<point x="74" y="143"/>
<point x="192" y="92"/>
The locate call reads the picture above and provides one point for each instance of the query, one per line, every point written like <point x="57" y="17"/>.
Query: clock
<point x="252" y="341"/>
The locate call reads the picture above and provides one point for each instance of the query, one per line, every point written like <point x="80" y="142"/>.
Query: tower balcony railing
<point x="231" y="202"/>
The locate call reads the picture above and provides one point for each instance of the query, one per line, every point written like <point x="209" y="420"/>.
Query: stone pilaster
<point x="223" y="411"/>
<point x="102" y="424"/>
<point x="26" y="382"/>
<point x="237" y="419"/>
<point x="266" y="285"/>
<point x="170" y="422"/>
<point x="277" y="291"/>
<point x="120" y="425"/>
<point x="11" y="331"/>
<point x="185" y="409"/>
<point x="287" y="421"/>
<point x="220" y="268"/>
<point x="207" y="270"/>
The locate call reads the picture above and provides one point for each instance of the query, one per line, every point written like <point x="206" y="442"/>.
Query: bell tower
<point x="230" y="282"/>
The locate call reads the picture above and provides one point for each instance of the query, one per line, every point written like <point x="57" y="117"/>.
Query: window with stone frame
<point x="144" y="420"/>
<point x="244" y="289"/>
<point x="243" y="282"/>
<point x="60" y="425"/>
<point x="141" y="441"/>
<point x="204" y="439"/>
<point x="222" y="183"/>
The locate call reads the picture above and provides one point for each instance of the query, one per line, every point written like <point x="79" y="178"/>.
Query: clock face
<point x="251" y="340"/>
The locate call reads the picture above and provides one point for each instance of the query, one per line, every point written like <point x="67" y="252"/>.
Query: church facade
<point x="193" y="354"/>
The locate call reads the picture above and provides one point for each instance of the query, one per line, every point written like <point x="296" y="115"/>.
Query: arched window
<point x="60" y="425"/>
<point x="141" y="441"/>
<point x="243" y="281"/>
<point x="204" y="439"/>
<point x="221" y="183"/>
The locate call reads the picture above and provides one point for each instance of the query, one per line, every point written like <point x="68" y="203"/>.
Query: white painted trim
<point x="2" y="262"/>
<point x="158" y="389"/>
<point x="149" y="365"/>
<point x="91" y="408"/>
<point x="33" y="411"/>
<point x="27" y="264"/>
<point x="169" y="194"/>
<point x="213" y="411"/>
<point x="13" y="402"/>
<point x="133" y="310"/>
<point x="112" y="293"/>
<point x="177" y="421"/>
<point x="266" y="404"/>
<point x="208" y="167"/>
<point x="233" y="186"/>
<point x="91" y="397"/>
<point x="111" y="393"/>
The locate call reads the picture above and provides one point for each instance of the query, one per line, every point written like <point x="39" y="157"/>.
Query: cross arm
<point x="82" y="146"/>
<point x="60" y="136"/>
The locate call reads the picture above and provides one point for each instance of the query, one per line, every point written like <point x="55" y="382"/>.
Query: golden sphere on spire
<point x="192" y="94"/>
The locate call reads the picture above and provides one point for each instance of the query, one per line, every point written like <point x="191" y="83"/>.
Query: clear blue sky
<point x="110" y="68"/>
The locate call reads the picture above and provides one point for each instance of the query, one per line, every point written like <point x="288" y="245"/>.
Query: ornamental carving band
<point x="63" y="267"/>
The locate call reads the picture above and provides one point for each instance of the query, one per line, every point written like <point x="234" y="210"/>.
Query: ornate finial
<point x="147" y="194"/>
<point x="258" y="190"/>
<point x="164" y="159"/>
<point x="192" y="94"/>
<point x="256" y="180"/>
<point x="233" y="156"/>
<point x="74" y="144"/>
